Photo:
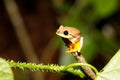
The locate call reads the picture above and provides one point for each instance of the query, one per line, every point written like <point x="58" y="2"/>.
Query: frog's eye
<point x="65" y="32"/>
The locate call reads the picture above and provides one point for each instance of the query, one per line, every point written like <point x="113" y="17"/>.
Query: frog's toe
<point x="70" y="51"/>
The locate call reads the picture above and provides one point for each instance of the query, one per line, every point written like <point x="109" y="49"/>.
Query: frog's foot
<point x="70" y="51"/>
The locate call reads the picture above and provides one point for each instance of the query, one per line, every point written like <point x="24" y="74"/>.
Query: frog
<point x="71" y="37"/>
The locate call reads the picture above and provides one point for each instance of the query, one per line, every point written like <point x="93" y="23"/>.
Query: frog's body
<point x="71" y="37"/>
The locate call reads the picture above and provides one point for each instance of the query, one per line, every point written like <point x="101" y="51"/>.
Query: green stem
<point x="82" y="64"/>
<point x="50" y="68"/>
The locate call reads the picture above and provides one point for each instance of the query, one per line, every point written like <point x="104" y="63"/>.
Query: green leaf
<point x="5" y="70"/>
<point x="112" y="70"/>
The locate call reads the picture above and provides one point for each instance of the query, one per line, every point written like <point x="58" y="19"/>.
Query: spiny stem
<point x="50" y="68"/>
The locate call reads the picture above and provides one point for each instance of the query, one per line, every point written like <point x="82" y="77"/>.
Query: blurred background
<point x="27" y="33"/>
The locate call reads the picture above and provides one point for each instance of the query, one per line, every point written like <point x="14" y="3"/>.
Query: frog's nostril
<point x="57" y="32"/>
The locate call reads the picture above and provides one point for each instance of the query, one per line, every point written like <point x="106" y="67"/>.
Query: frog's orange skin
<point x="72" y="40"/>
<point x="74" y="47"/>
